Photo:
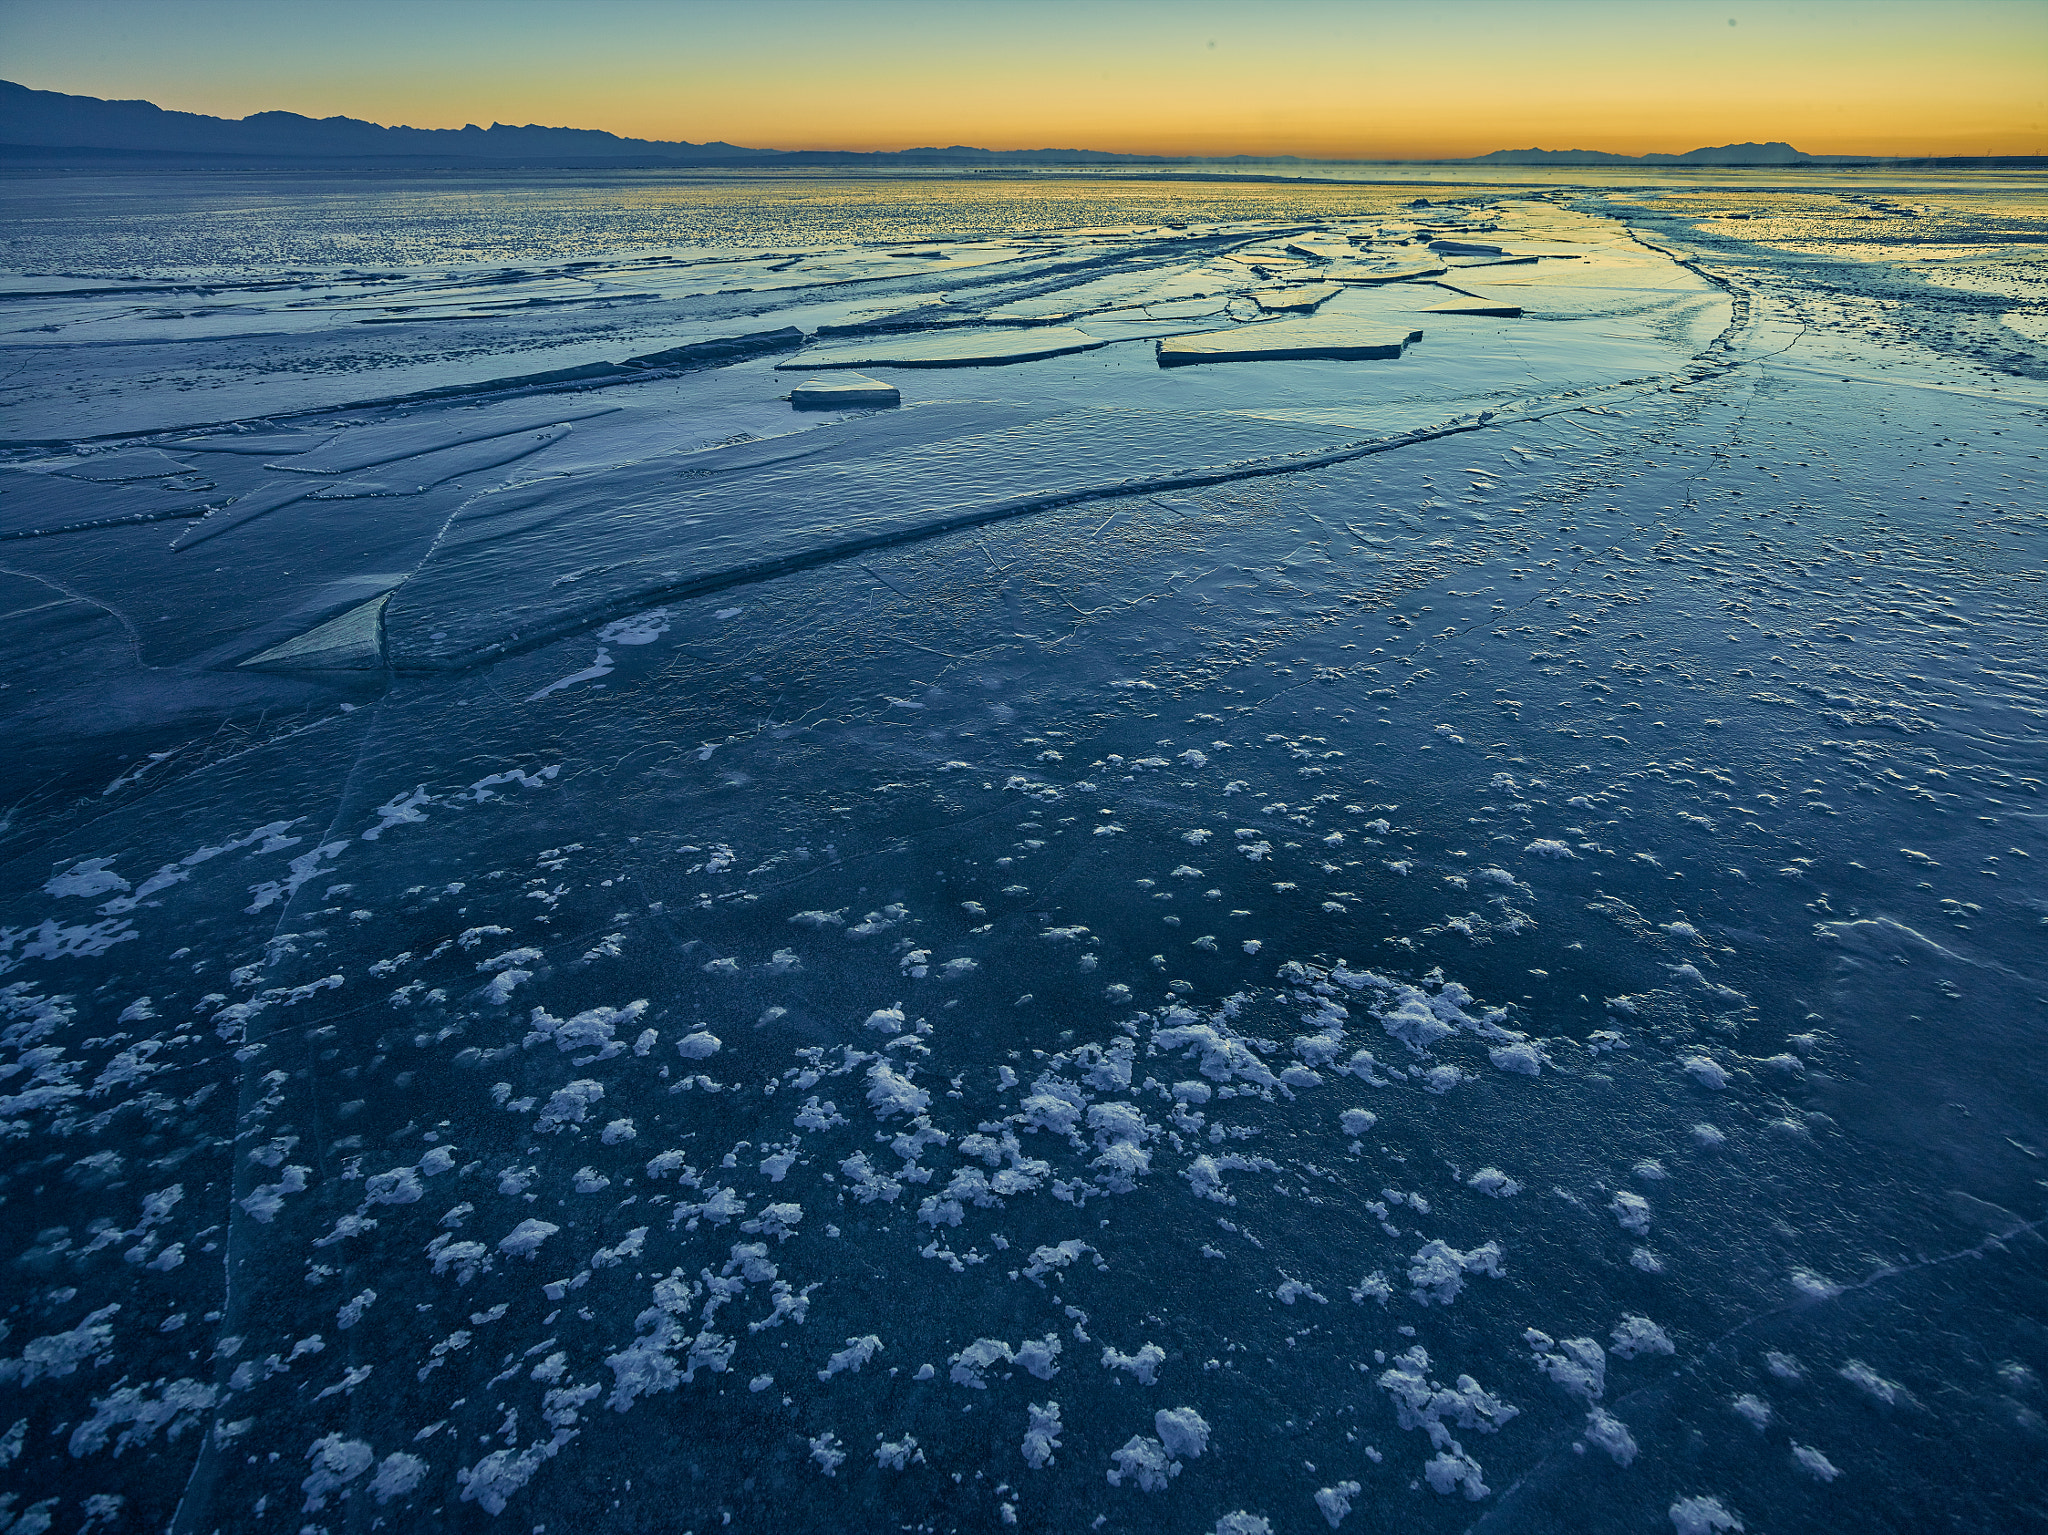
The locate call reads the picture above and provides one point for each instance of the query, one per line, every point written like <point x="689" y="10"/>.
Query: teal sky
<point x="1304" y="77"/>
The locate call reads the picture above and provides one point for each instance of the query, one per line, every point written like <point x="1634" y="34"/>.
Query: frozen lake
<point x="1435" y="923"/>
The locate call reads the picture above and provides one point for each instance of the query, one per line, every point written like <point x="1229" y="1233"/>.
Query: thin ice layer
<point x="371" y="446"/>
<point x="538" y="560"/>
<point x="32" y="503"/>
<point x="1289" y="341"/>
<point x="950" y="349"/>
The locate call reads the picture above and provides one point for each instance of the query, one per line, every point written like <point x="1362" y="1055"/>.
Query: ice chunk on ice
<point x="352" y="642"/>
<point x="950" y="349"/>
<point x="1323" y="248"/>
<point x="1370" y="272"/>
<point x="843" y="393"/>
<point x="1296" y="298"/>
<point x="1287" y="341"/>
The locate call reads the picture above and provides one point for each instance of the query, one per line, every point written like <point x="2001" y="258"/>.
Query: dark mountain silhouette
<point x="1773" y="153"/>
<point x="47" y="120"/>
<point x="50" y="127"/>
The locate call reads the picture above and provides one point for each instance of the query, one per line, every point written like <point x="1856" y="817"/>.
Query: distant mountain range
<point x="1773" y="153"/>
<point x="49" y="127"/>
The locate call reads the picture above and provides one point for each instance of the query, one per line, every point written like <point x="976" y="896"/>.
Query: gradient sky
<point x="1357" y="79"/>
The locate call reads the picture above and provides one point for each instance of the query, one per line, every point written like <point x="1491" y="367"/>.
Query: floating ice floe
<point x="952" y="348"/>
<point x="1289" y="341"/>
<point x="1296" y="298"/>
<point x="844" y="393"/>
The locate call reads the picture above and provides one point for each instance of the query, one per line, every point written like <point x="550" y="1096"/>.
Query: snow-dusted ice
<point x="1326" y="943"/>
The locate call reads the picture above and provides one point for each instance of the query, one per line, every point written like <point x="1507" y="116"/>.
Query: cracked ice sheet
<point x="792" y="908"/>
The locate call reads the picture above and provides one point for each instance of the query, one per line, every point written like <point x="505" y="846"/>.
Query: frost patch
<point x="858" y="1351"/>
<point x="1704" y="1071"/>
<point x="1144" y="1364"/>
<point x="176" y="1408"/>
<point x="1702" y="1516"/>
<point x="1042" y="1436"/>
<point x="1635" y="1335"/>
<point x="1422" y="1403"/>
<point x="61" y="1353"/>
<point x="524" y="1239"/>
<point x="1437" y="1271"/>
<point x="1335" y="1502"/>
<point x="88" y="877"/>
<point x="336" y="1463"/>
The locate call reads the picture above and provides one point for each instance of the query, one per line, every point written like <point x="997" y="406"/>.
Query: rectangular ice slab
<point x="841" y="393"/>
<point x="1300" y="298"/>
<point x="951" y="349"/>
<point x="1288" y="341"/>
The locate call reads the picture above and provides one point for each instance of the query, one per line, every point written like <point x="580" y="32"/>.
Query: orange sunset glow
<point x="1319" y="80"/>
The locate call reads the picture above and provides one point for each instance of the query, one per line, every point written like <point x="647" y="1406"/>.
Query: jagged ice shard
<point x="690" y="873"/>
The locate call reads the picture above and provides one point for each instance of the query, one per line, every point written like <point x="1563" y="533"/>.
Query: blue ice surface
<point x="1371" y="944"/>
